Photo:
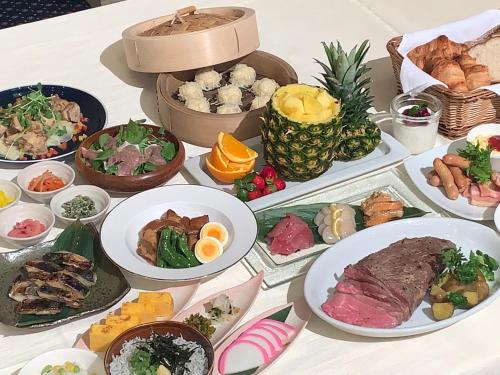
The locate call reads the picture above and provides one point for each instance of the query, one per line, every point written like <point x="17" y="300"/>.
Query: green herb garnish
<point x="467" y="271"/>
<point x="458" y="300"/>
<point x="480" y="165"/>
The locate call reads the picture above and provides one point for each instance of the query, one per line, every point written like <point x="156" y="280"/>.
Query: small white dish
<point x="87" y="360"/>
<point x="496" y="218"/>
<point x="100" y="197"/>
<point x="12" y="190"/>
<point x="329" y="267"/>
<point x="16" y="214"/>
<point x="487" y="130"/>
<point x="60" y="169"/>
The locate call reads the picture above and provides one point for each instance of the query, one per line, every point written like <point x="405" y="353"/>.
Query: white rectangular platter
<point x="279" y="269"/>
<point x="388" y="152"/>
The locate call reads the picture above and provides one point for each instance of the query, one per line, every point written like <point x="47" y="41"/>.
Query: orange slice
<point x="234" y="150"/>
<point x="218" y="159"/>
<point x="233" y="171"/>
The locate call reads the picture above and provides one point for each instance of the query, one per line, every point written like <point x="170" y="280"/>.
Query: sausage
<point x="460" y="178"/>
<point x="446" y="177"/>
<point x="434" y="179"/>
<point x="453" y="160"/>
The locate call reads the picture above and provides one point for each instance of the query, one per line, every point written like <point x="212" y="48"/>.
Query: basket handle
<point x="182" y="12"/>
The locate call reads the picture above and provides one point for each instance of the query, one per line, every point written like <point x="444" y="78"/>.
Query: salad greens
<point x="137" y="135"/>
<point x="467" y="271"/>
<point x="480" y="165"/>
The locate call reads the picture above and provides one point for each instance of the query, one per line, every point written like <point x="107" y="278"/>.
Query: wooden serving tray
<point x="191" y="50"/>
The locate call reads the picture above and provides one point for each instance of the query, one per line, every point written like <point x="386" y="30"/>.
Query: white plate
<point x="120" y="229"/>
<point x="417" y="168"/>
<point x="84" y="358"/>
<point x="388" y="152"/>
<point x="324" y="273"/>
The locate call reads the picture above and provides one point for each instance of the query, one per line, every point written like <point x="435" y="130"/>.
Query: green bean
<point x="182" y="245"/>
<point x="167" y="249"/>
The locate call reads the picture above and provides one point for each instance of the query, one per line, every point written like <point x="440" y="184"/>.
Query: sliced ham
<point x="477" y="199"/>
<point x="152" y="153"/>
<point x="489" y="190"/>
<point x="89" y="154"/>
<point x="290" y="235"/>
<point x="128" y="159"/>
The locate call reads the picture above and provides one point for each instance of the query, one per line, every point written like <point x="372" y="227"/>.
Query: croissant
<point x="438" y="47"/>
<point x="449" y="72"/>
<point x="476" y="75"/>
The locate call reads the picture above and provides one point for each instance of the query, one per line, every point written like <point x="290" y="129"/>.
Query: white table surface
<point x="84" y="50"/>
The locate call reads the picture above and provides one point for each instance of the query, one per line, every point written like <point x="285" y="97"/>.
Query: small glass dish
<point x="416" y="132"/>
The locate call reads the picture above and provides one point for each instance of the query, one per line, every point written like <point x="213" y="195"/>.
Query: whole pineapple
<point x="345" y="78"/>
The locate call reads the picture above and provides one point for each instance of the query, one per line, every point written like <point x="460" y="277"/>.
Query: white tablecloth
<point x="84" y="50"/>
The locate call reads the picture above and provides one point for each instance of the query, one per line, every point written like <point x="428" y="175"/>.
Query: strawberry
<point x="268" y="172"/>
<point x="269" y="189"/>
<point x="259" y="182"/>
<point x="279" y="183"/>
<point x="254" y="194"/>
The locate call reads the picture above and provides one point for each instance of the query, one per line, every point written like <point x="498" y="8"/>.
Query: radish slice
<point x="242" y="355"/>
<point x="283" y="335"/>
<point x="262" y="341"/>
<point x="286" y="327"/>
<point x="269" y="334"/>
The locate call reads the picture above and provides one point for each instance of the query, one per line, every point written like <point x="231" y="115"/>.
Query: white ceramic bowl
<point x="15" y="214"/>
<point x="60" y="169"/>
<point x="487" y="130"/>
<point x="84" y="358"/>
<point x="100" y="197"/>
<point x="12" y="190"/>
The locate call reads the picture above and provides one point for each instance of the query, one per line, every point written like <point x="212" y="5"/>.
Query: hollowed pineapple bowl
<point x="301" y="131"/>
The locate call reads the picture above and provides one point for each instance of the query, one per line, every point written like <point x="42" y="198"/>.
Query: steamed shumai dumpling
<point x="259" y="101"/>
<point x="190" y="90"/>
<point x="208" y="78"/>
<point x="226" y="109"/>
<point x="264" y="87"/>
<point x="229" y="94"/>
<point x="242" y="75"/>
<point x="198" y="104"/>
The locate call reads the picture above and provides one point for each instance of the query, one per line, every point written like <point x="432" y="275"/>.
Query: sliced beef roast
<point x="383" y="289"/>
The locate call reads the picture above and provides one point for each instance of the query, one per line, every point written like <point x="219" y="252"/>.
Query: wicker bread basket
<point x="461" y="110"/>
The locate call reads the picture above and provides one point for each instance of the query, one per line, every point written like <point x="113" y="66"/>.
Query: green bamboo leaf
<point x="281" y="315"/>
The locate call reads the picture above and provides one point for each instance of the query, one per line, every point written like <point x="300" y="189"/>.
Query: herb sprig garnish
<point x="467" y="271"/>
<point x="480" y="165"/>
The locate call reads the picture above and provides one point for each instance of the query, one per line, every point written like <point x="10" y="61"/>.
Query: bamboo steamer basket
<point x="201" y="128"/>
<point x="183" y="50"/>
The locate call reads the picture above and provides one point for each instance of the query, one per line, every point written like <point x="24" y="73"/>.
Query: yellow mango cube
<point x="125" y="321"/>
<point x="101" y="335"/>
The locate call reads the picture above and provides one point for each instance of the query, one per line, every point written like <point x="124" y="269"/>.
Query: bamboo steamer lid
<point x="191" y="39"/>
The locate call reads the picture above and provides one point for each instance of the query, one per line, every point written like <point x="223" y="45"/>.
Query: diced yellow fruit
<point x="125" y="321"/>
<point x="293" y="106"/>
<point x="101" y="335"/>
<point x="311" y="105"/>
<point x="325" y="100"/>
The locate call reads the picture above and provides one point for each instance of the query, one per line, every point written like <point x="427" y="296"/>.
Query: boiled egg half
<point x="208" y="249"/>
<point x="217" y="231"/>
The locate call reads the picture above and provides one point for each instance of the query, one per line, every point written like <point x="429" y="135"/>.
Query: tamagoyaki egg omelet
<point x="217" y="231"/>
<point x="208" y="249"/>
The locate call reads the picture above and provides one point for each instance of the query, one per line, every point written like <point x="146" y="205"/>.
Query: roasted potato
<point x="442" y="310"/>
<point x="472" y="298"/>
<point x="443" y="279"/>
<point x="483" y="289"/>
<point x="437" y="294"/>
<point x="452" y="285"/>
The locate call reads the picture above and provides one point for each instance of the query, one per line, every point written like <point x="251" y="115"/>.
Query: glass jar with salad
<point x="415" y="120"/>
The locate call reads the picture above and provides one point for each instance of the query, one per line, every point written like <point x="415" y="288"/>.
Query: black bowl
<point x="91" y="108"/>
